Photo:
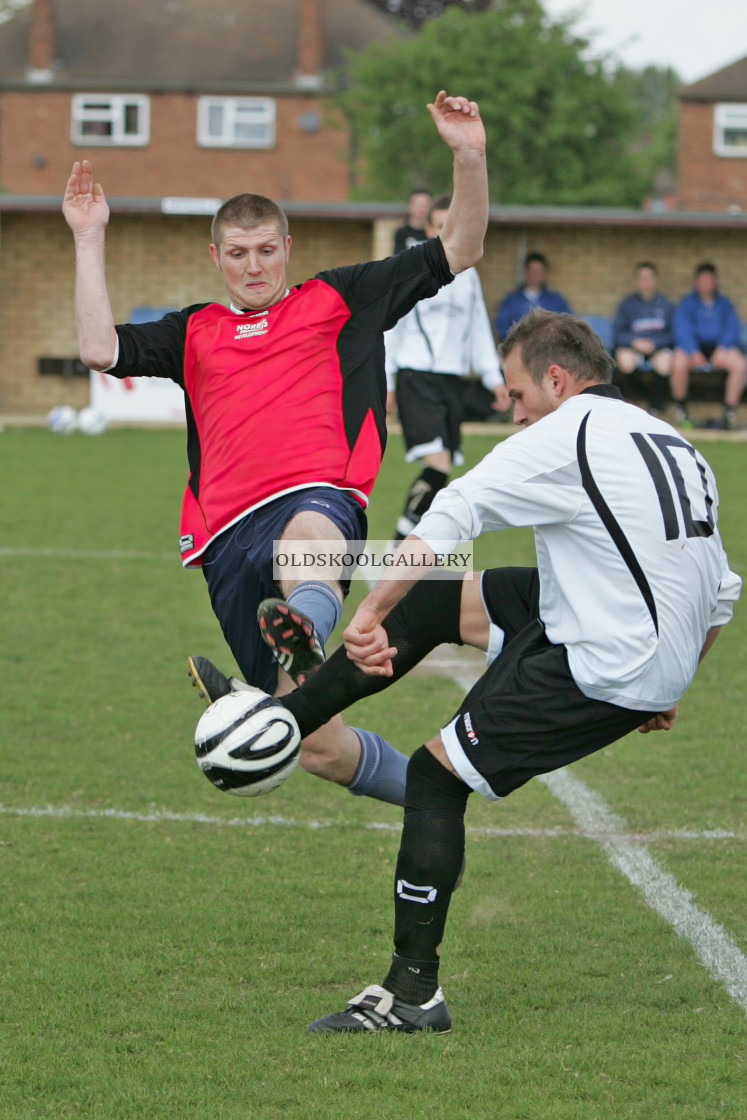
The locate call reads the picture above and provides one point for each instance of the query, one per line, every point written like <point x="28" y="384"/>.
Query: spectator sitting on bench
<point x="642" y="335"/>
<point x="532" y="293"/>
<point x="706" y="334"/>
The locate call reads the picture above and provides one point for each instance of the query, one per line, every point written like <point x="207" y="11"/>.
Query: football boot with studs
<point x="291" y="636"/>
<point x="376" y="1009"/>
<point x="210" y="683"/>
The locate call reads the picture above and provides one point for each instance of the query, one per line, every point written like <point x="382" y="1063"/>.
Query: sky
<point x="695" y="38"/>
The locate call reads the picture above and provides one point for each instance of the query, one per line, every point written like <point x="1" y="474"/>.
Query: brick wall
<point x="153" y="261"/>
<point x="593" y="265"/>
<point x="36" y="152"/>
<point x="164" y="261"/>
<point x="707" y="181"/>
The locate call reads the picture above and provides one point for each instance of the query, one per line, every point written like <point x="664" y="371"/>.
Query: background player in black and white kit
<point x="428" y="352"/>
<point x="413" y="231"/>
<point x="285" y="393"/>
<point x="631" y="587"/>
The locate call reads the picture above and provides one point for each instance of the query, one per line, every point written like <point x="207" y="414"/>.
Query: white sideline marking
<point x="165" y="816"/>
<point x="62" y="812"/>
<point x="713" y="944"/>
<point x="76" y="554"/>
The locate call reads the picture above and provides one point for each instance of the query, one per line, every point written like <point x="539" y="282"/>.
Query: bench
<point x="706" y="383"/>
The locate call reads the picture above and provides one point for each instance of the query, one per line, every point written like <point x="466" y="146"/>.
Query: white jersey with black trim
<point x="632" y="570"/>
<point x="448" y="333"/>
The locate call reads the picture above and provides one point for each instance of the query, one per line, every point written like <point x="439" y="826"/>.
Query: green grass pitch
<point x="165" y="945"/>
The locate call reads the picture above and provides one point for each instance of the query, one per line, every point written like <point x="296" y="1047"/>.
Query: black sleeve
<point x="386" y="290"/>
<point x="154" y="349"/>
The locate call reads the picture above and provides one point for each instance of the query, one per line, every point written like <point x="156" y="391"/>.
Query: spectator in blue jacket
<point x="642" y="334"/>
<point x="532" y="293"/>
<point x="706" y="334"/>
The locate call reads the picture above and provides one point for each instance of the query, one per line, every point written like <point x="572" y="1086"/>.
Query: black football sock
<point x="419" y="499"/>
<point x="411" y="981"/>
<point x="427" y="616"/>
<point x="428" y="869"/>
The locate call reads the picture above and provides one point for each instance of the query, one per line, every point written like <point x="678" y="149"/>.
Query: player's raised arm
<point x="87" y="213"/>
<point x="460" y="126"/>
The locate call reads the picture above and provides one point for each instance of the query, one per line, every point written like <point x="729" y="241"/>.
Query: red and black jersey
<point x="286" y="398"/>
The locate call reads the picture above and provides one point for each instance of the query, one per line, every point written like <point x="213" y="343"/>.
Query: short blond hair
<point x="248" y="211"/>
<point x="546" y="337"/>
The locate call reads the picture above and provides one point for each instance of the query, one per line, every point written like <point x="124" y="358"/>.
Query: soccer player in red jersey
<point x="285" y="394"/>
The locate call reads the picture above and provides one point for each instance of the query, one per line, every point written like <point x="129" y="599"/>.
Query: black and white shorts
<point x="430" y="412"/>
<point x="526" y="715"/>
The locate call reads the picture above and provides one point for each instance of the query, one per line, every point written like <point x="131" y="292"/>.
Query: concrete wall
<point x="158" y="260"/>
<point x="155" y="261"/>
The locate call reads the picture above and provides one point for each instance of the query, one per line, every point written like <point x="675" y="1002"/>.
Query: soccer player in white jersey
<point x="631" y="587"/>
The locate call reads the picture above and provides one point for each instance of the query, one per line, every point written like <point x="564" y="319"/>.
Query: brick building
<point x="180" y="97"/>
<point x="712" y="159"/>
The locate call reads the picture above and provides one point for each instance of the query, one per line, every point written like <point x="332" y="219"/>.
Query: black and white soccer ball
<point x="247" y="743"/>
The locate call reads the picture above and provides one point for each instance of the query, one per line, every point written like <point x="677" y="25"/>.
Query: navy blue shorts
<point x="238" y="569"/>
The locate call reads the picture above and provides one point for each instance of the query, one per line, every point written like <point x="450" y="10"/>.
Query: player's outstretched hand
<point x="662" y="721"/>
<point x="458" y="122"/>
<point x="367" y="643"/>
<point x="84" y="203"/>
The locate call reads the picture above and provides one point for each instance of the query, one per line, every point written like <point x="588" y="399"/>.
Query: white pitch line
<point x="713" y="944"/>
<point x="77" y="554"/>
<point x="165" y="816"/>
<point x="159" y="816"/>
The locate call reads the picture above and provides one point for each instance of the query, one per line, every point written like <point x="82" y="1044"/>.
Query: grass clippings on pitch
<point x="164" y="945"/>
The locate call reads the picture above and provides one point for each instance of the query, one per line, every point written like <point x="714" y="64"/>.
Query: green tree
<point x="653" y="93"/>
<point x="559" y="124"/>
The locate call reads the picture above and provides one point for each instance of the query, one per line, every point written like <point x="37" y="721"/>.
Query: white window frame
<point x="262" y="109"/>
<point x="110" y="108"/>
<point x="729" y="115"/>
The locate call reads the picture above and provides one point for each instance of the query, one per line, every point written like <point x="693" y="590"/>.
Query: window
<point x="110" y="118"/>
<point x="730" y="130"/>
<point x="236" y="122"/>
